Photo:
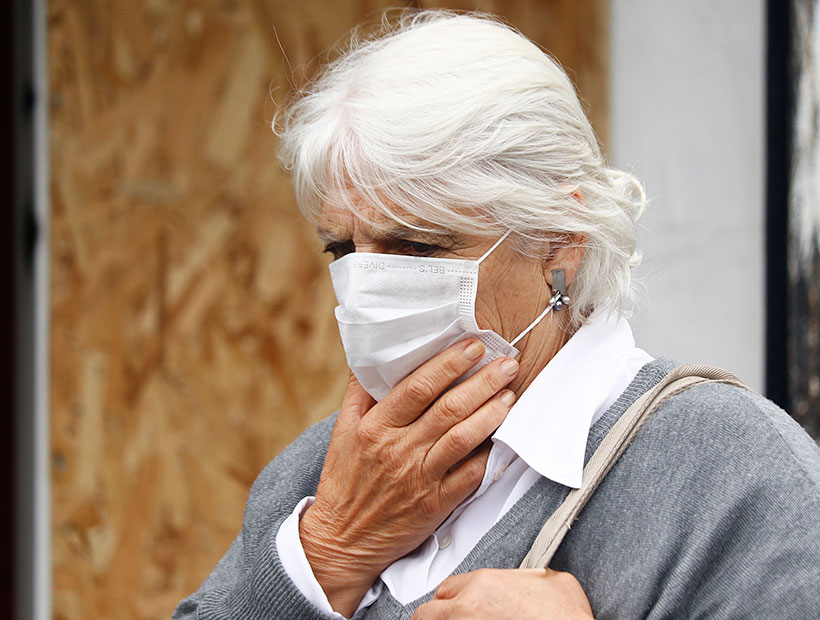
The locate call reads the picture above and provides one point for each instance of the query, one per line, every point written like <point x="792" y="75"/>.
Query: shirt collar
<point x="548" y="426"/>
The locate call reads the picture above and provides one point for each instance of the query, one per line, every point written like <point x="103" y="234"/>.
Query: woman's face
<point x="512" y="289"/>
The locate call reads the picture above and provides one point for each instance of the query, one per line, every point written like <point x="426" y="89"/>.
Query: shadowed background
<point x="192" y="327"/>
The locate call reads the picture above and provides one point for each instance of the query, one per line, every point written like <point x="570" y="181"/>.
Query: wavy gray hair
<point x="461" y="121"/>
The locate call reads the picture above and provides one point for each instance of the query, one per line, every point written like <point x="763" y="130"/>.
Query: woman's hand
<point x="492" y="594"/>
<point x="396" y="469"/>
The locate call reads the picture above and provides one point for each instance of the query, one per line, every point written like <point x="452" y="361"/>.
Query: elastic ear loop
<point x="540" y="316"/>
<point x="495" y="245"/>
<point x="534" y="323"/>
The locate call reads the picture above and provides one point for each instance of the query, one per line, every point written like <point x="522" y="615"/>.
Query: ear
<point x="568" y="257"/>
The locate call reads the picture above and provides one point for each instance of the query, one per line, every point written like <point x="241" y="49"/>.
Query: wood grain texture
<point x="192" y="327"/>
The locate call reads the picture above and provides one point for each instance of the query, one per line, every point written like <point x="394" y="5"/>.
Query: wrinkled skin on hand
<point x="396" y="469"/>
<point x="492" y="594"/>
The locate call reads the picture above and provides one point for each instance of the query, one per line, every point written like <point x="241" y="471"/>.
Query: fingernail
<point x="508" y="397"/>
<point x="474" y="351"/>
<point x="509" y="367"/>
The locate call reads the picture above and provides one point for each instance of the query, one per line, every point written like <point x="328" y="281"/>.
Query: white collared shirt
<point x="545" y="434"/>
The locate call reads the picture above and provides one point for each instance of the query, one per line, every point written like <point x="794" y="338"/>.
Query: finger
<point x="414" y="394"/>
<point x="464" y="479"/>
<point x="453" y="586"/>
<point x="461" y="401"/>
<point x="433" y="610"/>
<point x="460" y="440"/>
<point x="356" y="401"/>
<point x="567" y="586"/>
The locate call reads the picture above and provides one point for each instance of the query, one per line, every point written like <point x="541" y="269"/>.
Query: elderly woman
<point x="482" y="254"/>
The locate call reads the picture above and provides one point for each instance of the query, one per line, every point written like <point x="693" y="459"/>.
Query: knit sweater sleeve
<point x="249" y="582"/>
<point x="713" y="512"/>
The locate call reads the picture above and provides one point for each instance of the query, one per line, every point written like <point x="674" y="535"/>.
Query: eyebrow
<point x="392" y="234"/>
<point x="403" y="232"/>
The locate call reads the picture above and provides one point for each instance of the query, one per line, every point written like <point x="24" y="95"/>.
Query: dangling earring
<point x="559" y="299"/>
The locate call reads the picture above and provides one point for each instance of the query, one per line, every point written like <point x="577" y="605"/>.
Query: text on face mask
<point x="375" y="265"/>
<point x="368" y="264"/>
<point x="432" y="269"/>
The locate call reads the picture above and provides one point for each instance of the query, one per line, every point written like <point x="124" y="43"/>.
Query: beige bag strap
<point x="611" y="449"/>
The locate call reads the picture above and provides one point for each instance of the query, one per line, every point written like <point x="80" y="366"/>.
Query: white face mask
<point x="396" y="312"/>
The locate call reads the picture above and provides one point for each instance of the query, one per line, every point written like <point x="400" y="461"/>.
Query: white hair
<point x="461" y="121"/>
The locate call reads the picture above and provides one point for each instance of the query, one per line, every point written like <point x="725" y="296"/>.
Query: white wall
<point x="687" y="117"/>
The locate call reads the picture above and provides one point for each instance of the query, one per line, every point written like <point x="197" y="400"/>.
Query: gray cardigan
<point x="712" y="512"/>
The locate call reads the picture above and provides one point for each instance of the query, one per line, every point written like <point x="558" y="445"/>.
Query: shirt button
<point x="498" y="473"/>
<point x="445" y="541"/>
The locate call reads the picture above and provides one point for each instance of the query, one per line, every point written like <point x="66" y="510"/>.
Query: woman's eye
<point x="337" y="249"/>
<point x="417" y="249"/>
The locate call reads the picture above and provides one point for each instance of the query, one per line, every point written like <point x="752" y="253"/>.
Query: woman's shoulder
<point x="306" y="454"/>
<point x="289" y="477"/>
<point x="724" y="488"/>
<point x="726" y="426"/>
